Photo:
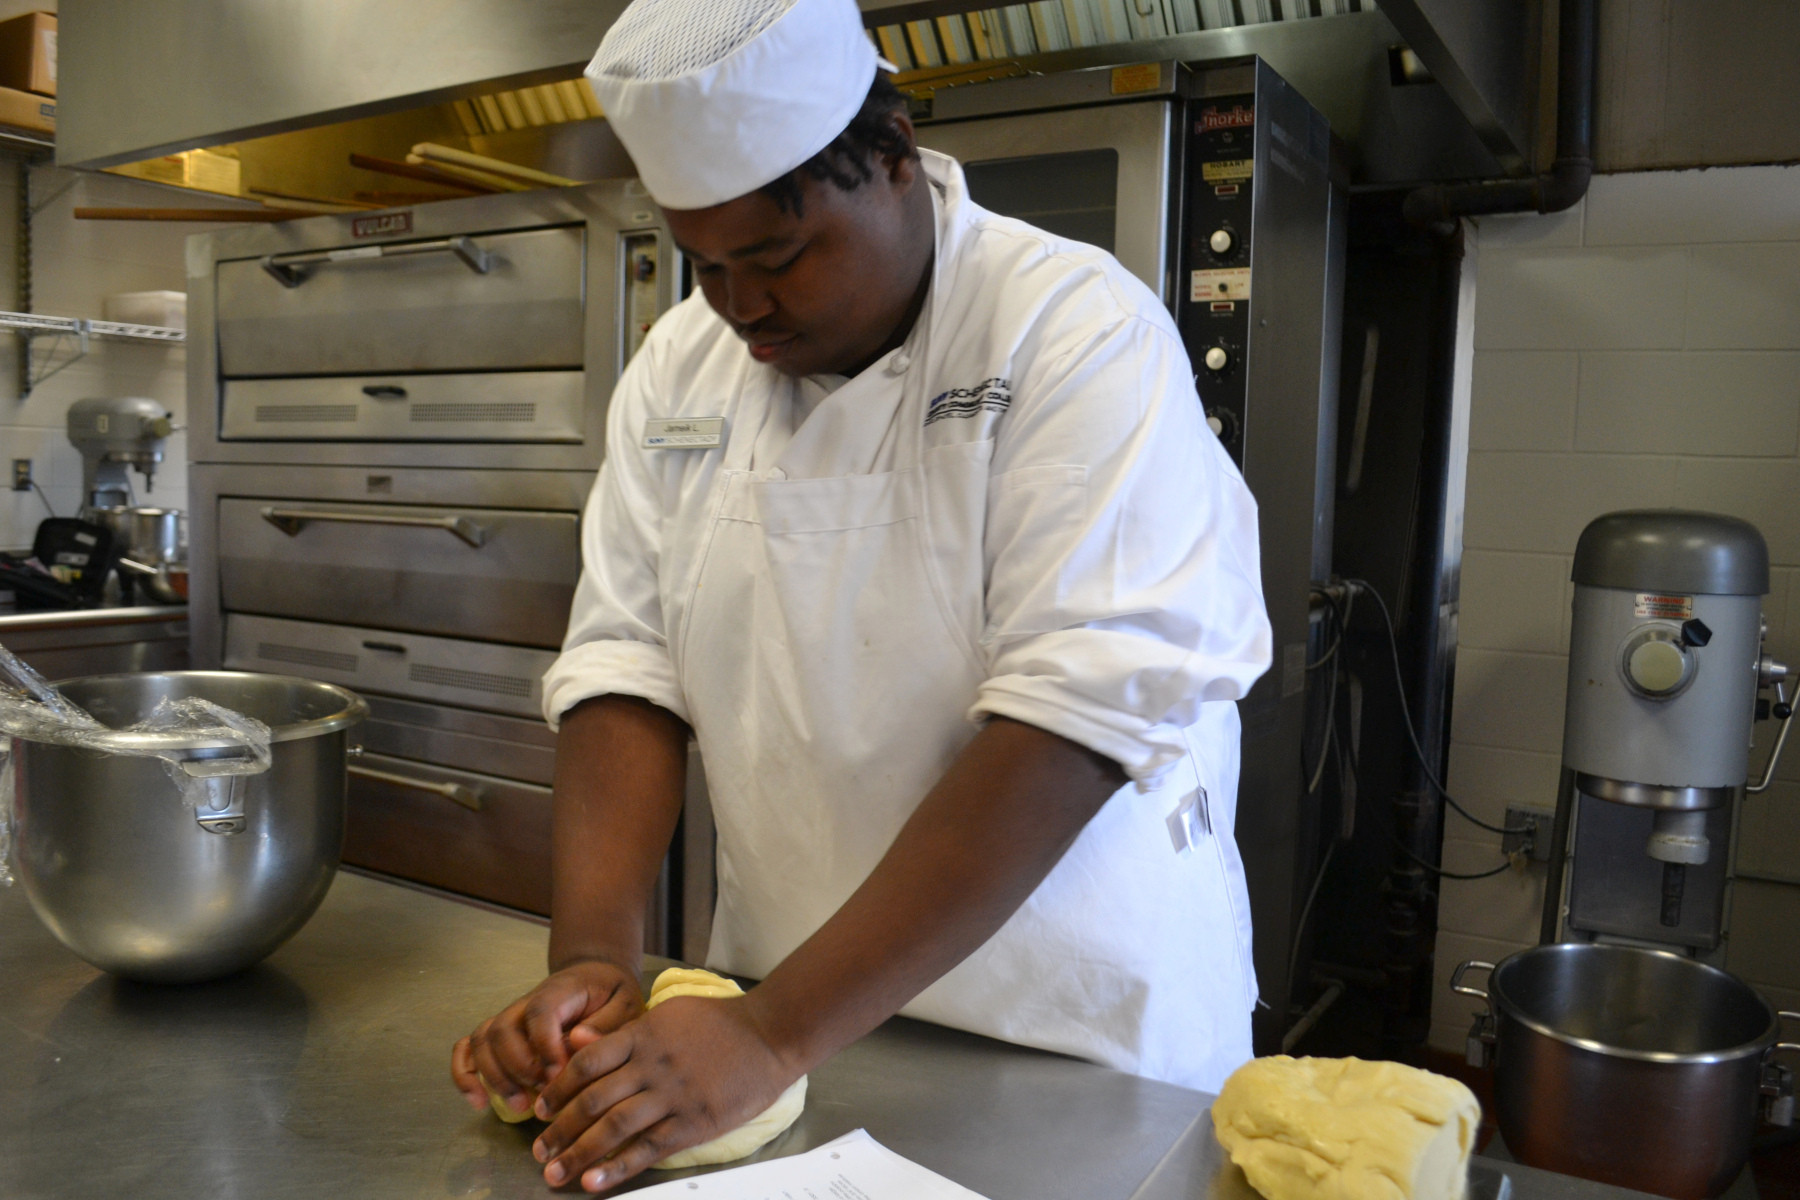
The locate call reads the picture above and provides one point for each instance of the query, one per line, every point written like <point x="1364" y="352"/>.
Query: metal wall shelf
<point x="35" y="325"/>
<point x="83" y="326"/>
<point x="32" y="145"/>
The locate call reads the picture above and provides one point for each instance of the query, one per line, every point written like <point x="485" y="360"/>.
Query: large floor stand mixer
<point x="1622" y="1051"/>
<point x="1666" y="672"/>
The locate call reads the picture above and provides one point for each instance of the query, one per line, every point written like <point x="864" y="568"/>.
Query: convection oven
<point x="396" y="420"/>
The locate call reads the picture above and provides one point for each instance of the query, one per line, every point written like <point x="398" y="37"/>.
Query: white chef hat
<point x="715" y="98"/>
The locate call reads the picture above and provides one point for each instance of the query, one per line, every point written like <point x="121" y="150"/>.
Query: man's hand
<point x="688" y="1071"/>
<point x="621" y="770"/>
<point x="528" y="1044"/>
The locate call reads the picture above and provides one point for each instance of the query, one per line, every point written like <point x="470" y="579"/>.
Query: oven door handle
<point x="292" y="270"/>
<point x="456" y="793"/>
<point x="292" y="520"/>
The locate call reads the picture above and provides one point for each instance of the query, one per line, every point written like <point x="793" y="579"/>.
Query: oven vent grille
<point x="474" y="412"/>
<point x="477" y="681"/>
<point x="305" y="656"/>
<point x="305" y="412"/>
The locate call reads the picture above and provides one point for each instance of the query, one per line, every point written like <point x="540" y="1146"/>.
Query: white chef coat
<point x="1018" y="512"/>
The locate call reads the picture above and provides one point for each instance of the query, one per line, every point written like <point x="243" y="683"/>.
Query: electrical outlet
<point x="1534" y="842"/>
<point x="21" y="475"/>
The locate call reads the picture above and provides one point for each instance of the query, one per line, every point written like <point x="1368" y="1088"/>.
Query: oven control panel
<point x="1215" y="296"/>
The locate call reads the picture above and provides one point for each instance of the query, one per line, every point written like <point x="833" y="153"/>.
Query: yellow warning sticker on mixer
<point x="1667" y="608"/>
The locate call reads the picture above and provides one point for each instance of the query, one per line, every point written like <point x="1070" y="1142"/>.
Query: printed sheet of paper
<point x="854" y="1167"/>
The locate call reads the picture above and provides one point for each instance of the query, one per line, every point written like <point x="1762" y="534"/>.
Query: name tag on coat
<point x="692" y="433"/>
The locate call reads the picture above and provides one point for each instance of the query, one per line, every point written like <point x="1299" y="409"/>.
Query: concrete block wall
<point x="1640" y="350"/>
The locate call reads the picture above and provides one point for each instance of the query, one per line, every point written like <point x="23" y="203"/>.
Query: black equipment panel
<point x="1215" y="284"/>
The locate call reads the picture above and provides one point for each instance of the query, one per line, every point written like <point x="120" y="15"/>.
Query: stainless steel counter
<point x="98" y="641"/>
<point x="324" y="1073"/>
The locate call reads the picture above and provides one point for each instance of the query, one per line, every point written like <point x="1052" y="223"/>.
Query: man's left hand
<point x="682" y="1074"/>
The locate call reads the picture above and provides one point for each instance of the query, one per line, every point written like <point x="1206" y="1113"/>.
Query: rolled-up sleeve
<point x="617" y="641"/>
<point x="1124" y="586"/>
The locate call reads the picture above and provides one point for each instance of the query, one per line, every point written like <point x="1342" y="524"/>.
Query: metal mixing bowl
<point x="1639" y="1068"/>
<point x="139" y="882"/>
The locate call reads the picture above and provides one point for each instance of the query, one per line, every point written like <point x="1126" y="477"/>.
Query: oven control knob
<point x="1217" y="358"/>
<point x="1223" y="423"/>
<point x="1222" y="242"/>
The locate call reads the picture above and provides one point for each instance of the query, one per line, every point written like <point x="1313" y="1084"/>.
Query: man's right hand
<point x="527" y="1043"/>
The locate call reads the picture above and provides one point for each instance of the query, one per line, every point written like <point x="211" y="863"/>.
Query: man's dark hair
<point x="849" y="160"/>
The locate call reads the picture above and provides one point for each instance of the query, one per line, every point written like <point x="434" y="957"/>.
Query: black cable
<point x="1306" y="913"/>
<point x="1318" y="774"/>
<point x="1443" y="874"/>
<point x="40" y="491"/>
<point x="1345" y="757"/>
<point x="1342" y="616"/>
<point x="1387" y="619"/>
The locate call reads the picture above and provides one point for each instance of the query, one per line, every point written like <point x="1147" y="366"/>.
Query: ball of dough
<point x="1345" y="1129"/>
<point x="497" y="1102"/>
<point x="759" y="1130"/>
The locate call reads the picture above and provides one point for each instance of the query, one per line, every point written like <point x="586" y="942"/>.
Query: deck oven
<point x="396" y="419"/>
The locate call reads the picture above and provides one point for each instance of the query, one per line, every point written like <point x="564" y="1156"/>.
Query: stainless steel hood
<point x="1481" y="57"/>
<point x="145" y="79"/>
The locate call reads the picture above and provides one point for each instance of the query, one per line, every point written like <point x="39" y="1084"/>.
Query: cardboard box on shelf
<point x="28" y="53"/>
<point x="27" y="110"/>
<point x="202" y="170"/>
<point x="165" y="309"/>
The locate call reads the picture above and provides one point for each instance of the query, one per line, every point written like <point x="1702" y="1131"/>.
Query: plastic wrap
<point x="202" y="720"/>
<point x="6" y="813"/>
<point x="197" y="740"/>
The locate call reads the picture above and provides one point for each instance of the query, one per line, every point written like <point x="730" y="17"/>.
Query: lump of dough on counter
<point x="759" y="1130"/>
<point x="497" y="1102"/>
<point x="1345" y="1129"/>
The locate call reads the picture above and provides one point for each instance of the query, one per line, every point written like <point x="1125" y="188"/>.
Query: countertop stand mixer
<point x="115" y="436"/>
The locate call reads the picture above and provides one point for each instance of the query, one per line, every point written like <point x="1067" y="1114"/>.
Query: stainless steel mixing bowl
<point x="1638" y="1068"/>
<point x="138" y="881"/>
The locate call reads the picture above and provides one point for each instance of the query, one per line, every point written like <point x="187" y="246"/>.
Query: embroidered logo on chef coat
<point x="990" y="395"/>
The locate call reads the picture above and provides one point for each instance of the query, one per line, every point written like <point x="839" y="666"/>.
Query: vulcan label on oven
<point x="1667" y="608"/>
<point x="692" y="433"/>
<point x="382" y="226"/>
<point x="1228" y="170"/>
<point x="1220" y="283"/>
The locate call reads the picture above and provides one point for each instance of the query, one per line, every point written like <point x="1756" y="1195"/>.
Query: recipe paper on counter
<point x="854" y="1167"/>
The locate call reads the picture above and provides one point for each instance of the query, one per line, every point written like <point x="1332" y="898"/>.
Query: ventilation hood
<point x="1416" y="89"/>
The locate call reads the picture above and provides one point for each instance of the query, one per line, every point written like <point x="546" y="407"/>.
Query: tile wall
<point x="75" y="265"/>
<point x="1640" y="350"/>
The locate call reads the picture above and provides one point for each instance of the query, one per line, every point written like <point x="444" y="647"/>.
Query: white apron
<point x="827" y="678"/>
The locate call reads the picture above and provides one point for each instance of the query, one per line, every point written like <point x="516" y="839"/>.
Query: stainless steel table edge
<point x="324" y="1072"/>
<point x="69" y="619"/>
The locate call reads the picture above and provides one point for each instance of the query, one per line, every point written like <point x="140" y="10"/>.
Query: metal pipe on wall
<point x="1566" y="182"/>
